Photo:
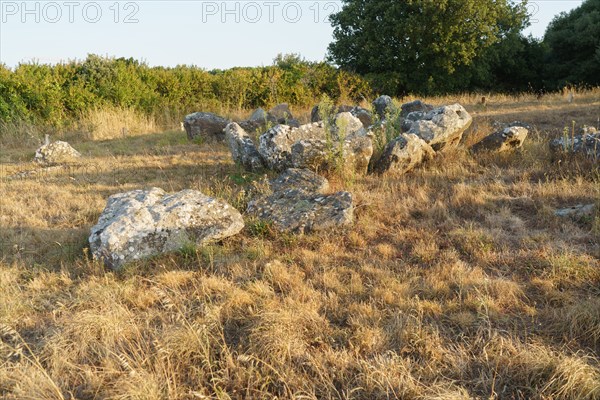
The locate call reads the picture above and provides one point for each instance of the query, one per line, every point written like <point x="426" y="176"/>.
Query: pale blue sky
<point x="209" y="34"/>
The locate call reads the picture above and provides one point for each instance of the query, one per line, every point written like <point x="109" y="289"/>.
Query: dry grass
<point x="114" y="123"/>
<point x="456" y="282"/>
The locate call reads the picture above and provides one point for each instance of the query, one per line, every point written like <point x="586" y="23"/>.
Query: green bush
<point x="57" y="95"/>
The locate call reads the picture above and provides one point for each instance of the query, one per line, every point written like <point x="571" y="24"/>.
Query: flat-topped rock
<point x="580" y="211"/>
<point x="206" y="125"/>
<point x="317" y="146"/>
<point x="441" y="128"/>
<point x="275" y="145"/>
<point x="302" y="179"/>
<point x="298" y="205"/>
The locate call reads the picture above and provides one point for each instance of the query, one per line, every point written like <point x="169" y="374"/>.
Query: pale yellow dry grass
<point x="456" y="282"/>
<point x="114" y="123"/>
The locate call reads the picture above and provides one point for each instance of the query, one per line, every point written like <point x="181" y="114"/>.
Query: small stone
<point x="509" y="138"/>
<point x="384" y="107"/>
<point x="586" y="144"/>
<point x="56" y="153"/>
<point x="578" y="212"/>
<point x="415" y="106"/>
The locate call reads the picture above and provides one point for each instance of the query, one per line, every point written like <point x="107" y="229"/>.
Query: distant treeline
<point x="57" y="95"/>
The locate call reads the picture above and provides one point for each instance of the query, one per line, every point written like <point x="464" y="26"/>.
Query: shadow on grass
<point x="52" y="248"/>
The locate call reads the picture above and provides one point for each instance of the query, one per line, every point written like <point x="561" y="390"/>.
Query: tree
<point x="514" y="64"/>
<point x="573" y="41"/>
<point x="419" y="43"/>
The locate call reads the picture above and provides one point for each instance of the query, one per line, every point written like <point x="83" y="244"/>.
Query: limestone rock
<point x="242" y="148"/>
<point x="311" y="153"/>
<point x="204" y="124"/>
<point x="383" y="106"/>
<point x="275" y="145"/>
<point x="503" y="140"/>
<point x="586" y="144"/>
<point x="443" y="127"/>
<point x="315" y="154"/>
<point x="260" y="119"/>
<point x="358" y="150"/>
<point x="346" y="124"/>
<point x="143" y="223"/>
<point x="316" y="146"/>
<point x="580" y="211"/>
<point x="303" y="179"/>
<point x="282" y="114"/>
<point x="403" y="154"/>
<point x="362" y="114"/>
<point x="298" y="205"/>
<point x="259" y="115"/>
<point x="56" y="153"/>
<point x="415" y="106"/>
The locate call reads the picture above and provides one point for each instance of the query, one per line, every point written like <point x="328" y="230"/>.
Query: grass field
<point x="457" y="280"/>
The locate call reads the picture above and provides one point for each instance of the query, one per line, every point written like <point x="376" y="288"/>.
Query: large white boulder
<point x="143" y="223"/>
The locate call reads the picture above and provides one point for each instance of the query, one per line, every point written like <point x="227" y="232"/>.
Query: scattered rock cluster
<point x="347" y="139"/>
<point x="212" y="126"/>
<point x="586" y="142"/>
<point x="144" y="223"/>
<point x="425" y="130"/>
<point x="261" y="119"/>
<point x="315" y="146"/>
<point x="361" y="113"/>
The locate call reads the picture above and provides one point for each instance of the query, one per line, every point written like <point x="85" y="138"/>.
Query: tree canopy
<point x="573" y="41"/>
<point x="420" y="44"/>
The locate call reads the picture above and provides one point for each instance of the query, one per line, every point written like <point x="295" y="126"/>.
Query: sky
<point x="208" y="34"/>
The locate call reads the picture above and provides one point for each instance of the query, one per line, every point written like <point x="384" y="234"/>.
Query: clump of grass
<point x="15" y="134"/>
<point x="115" y="122"/>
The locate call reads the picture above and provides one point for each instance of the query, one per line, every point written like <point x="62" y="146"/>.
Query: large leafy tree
<point x="420" y="44"/>
<point x="514" y="64"/>
<point x="573" y="40"/>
